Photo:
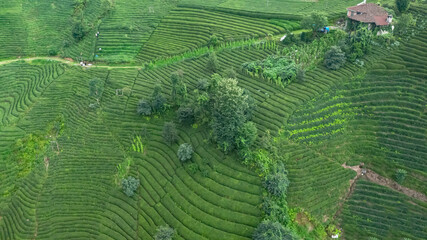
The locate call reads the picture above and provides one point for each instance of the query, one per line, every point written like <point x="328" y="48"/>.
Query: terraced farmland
<point x="65" y="181"/>
<point x="375" y="211"/>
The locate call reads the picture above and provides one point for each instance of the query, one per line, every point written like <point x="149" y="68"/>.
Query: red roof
<point x="369" y="13"/>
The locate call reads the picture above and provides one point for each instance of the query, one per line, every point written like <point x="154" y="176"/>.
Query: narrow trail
<point x="380" y="180"/>
<point x="67" y="61"/>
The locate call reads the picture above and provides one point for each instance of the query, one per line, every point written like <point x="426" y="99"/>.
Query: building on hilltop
<point x="369" y="13"/>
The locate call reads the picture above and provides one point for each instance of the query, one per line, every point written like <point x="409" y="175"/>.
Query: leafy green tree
<point x="78" y="31"/>
<point x="165" y="233"/>
<point x="96" y="88"/>
<point x="129" y="185"/>
<point x="405" y="22"/>
<point x="402" y="5"/>
<point x="202" y="84"/>
<point x="400" y="175"/>
<point x="157" y="99"/>
<point x="246" y="136"/>
<point x="185" y="115"/>
<point x="276" y="210"/>
<point x="277" y="182"/>
<point x="269" y="230"/>
<point x="229" y="105"/>
<point x="314" y="21"/>
<point x="143" y="108"/>
<point x="229" y="73"/>
<point x="169" y="133"/>
<point x="179" y="89"/>
<point x="334" y="58"/>
<point x="212" y="64"/>
<point x="185" y="152"/>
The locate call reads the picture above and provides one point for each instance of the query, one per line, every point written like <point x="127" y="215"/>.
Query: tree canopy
<point x="334" y="58"/>
<point x="314" y="21"/>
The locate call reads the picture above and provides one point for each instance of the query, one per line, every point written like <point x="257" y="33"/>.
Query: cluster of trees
<point x="156" y="104"/>
<point x="283" y="70"/>
<point x="165" y="233"/>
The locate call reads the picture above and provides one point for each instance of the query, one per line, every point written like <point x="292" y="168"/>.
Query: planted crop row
<point x="376" y="211"/>
<point x="185" y="29"/>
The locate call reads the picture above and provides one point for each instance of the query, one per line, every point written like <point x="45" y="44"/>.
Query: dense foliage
<point x="402" y="5"/>
<point x="185" y="152"/>
<point x="129" y="185"/>
<point x="169" y="133"/>
<point x="165" y="233"/>
<point x="315" y="21"/>
<point x="269" y="230"/>
<point x="281" y="70"/>
<point x="334" y="58"/>
<point x="229" y="113"/>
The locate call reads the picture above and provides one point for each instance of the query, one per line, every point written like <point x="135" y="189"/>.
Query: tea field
<point x="66" y="149"/>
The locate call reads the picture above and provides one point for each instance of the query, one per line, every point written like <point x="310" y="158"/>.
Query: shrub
<point x="402" y="5"/>
<point x="213" y="41"/>
<point x="143" y="108"/>
<point x="129" y="185"/>
<point x="165" y="233"/>
<point x="334" y="58"/>
<point x="269" y="230"/>
<point x="52" y="52"/>
<point x="400" y="175"/>
<point x="185" y="152"/>
<point x="169" y="133"/>
<point x="185" y="115"/>
<point x="212" y="63"/>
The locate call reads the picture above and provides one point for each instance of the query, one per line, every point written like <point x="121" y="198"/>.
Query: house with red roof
<point x="369" y="13"/>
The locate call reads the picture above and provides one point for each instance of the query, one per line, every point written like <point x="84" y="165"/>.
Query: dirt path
<point x="386" y="182"/>
<point x="376" y="178"/>
<point x="68" y="61"/>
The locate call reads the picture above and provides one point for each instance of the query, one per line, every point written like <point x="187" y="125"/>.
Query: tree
<point x="277" y="182"/>
<point x="402" y="5"/>
<point x="405" y="22"/>
<point x="78" y="31"/>
<point x="169" y="133"/>
<point x="334" y="58"/>
<point x="143" y="108"/>
<point x="179" y="89"/>
<point x="400" y="175"/>
<point x="165" y="233"/>
<point x="157" y="99"/>
<point x="185" y="152"/>
<point x="229" y="73"/>
<point x="202" y="84"/>
<point x="185" y="115"/>
<point x="269" y="230"/>
<point x="314" y="21"/>
<point x="129" y="185"/>
<point x="246" y="138"/>
<point x="213" y="63"/>
<point x="96" y="88"/>
<point x="229" y="106"/>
